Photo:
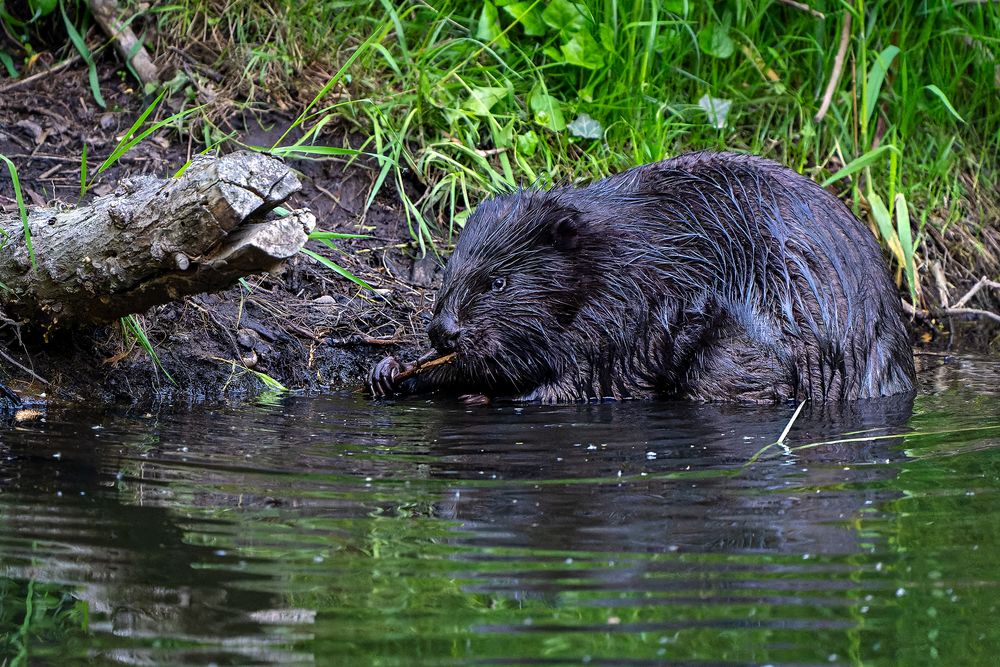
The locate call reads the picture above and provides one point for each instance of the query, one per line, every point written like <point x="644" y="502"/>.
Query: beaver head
<point x="512" y="290"/>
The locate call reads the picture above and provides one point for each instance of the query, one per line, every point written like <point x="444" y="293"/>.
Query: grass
<point x="468" y="98"/>
<point x="472" y="97"/>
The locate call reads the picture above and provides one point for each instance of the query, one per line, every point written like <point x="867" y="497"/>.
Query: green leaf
<point x="859" y="163"/>
<point x="131" y="139"/>
<point x="565" y="16"/>
<point x="482" y="98"/>
<point x="42" y="7"/>
<point x="8" y="63"/>
<point x="906" y="243"/>
<point x="583" y="50"/>
<point x="319" y="235"/>
<point x="714" y="40"/>
<point x="132" y="325"/>
<point x="88" y="58"/>
<point x="527" y="143"/>
<point x="22" y="211"/>
<point x="548" y="111"/>
<point x="282" y="151"/>
<point x="83" y="171"/>
<point x="944" y="99"/>
<point x="268" y="381"/>
<point x="884" y="222"/>
<point x="528" y="16"/>
<point x="607" y="35"/>
<point x="336" y="268"/>
<point x="489" y="30"/>
<point x="875" y="78"/>
<point x="331" y="82"/>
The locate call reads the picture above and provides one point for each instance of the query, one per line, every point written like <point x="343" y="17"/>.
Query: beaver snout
<point x="444" y="333"/>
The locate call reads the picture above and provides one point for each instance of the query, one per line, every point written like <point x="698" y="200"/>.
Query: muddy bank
<point x="304" y="326"/>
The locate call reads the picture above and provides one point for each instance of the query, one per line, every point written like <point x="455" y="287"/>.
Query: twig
<point x="27" y="370"/>
<point x="801" y="6"/>
<point x="788" y="426"/>
<point x="423" y="363"/>
<point x="838" y="67"/>
<point x="948" y="312"/>
<point x="38" y="75"/>
<point x="983" y="282"/>
<point x="361" y="339"/>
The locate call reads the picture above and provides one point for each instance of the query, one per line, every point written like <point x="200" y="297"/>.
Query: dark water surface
<point x="340" y="531"/>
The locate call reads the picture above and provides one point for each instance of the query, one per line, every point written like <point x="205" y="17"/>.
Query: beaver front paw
<point x="383" y="379"/>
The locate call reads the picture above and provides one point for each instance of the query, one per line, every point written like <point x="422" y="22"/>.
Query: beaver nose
<point x="444" y="332"/>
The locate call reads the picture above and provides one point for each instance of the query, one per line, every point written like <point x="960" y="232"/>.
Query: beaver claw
<point x="382" y="380"/>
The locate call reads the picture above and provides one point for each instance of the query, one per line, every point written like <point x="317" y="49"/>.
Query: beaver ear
<point x="566" y="233"/>
<point x="562" y="229"/>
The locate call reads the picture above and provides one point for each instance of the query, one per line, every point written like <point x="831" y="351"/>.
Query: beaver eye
<point x="498" y="284"/>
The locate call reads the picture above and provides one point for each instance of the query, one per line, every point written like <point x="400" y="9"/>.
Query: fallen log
<point x="151" y="241"/>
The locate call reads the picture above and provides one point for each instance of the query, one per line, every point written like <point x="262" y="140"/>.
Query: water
<point x="340" y="531"/>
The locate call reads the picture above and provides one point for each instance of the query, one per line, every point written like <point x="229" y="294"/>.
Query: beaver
<point x="708" y="276"/>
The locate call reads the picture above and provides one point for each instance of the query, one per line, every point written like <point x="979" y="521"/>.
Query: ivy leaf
<point x="529" y="17"/>
<point x="583" y="51"/>
<point x="565" y="16"/>
<point x="586" y="127"/>
<point x="527" y="143"/>
<point x="547" y="111"/>
<point x="714" y="40"/>
<point x="489" y="30"/>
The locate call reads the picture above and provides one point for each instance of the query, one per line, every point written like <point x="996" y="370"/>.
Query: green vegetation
<point x="37" y="614"/>
<point x="471" y="97"/>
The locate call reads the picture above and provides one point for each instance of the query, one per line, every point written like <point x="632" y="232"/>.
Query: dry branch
<point x="838" y="67"/>
<point x="959" y="309"/>
<point x="152" y="241"/>
<point x="127" y="44"/>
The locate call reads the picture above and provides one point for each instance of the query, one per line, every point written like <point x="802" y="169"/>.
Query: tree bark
<point x="151" y="241"/>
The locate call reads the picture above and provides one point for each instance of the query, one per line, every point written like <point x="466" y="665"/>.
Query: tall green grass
<point x="471" y="97"/>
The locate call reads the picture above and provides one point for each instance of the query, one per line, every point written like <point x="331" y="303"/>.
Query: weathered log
<point x="152" y="241"/>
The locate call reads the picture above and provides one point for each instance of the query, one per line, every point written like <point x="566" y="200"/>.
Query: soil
<point x="305" y="326"/>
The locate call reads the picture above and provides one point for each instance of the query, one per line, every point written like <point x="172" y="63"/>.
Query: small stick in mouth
<point x="423" y="363"/>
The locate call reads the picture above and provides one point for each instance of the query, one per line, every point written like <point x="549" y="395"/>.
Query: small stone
<point x="423" y="271"/>
<point x="247" y="338"/>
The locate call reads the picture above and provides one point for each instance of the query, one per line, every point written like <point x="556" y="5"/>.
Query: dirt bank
<point x="305" y="326"/>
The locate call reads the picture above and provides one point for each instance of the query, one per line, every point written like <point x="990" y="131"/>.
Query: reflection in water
<point x="337" y="531"/>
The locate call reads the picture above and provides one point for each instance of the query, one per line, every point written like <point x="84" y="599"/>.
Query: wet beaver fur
<point x="710" y="276"/>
